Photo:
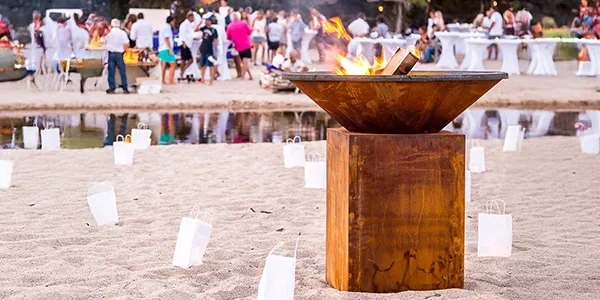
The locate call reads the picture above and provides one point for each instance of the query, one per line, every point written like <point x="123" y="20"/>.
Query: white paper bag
<point x="140" y="137"/>
<point x="6" y="167"/>
<point x="123" y="151"/>
<point x="50" y="138"/>
<point x="315" y="172"/>
<point x="494" y="233"/>
<point x="293" y="153"/>
<point x="477" y="160"/>
<point x="514" y="138"/>
<point x="279" y="277"/>
<point x="468" y="186"/>
<point x="192" y="241"/>
<point x="590" y="144"/>
<point x="102" y="202"/>
<point x="31" y="137"/>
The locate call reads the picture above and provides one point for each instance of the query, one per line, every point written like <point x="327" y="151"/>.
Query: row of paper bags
<point x="279" y="274"/>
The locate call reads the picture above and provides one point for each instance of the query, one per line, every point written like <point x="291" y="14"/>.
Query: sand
<point x="50" y="247"/>
<point x="565" y="91"/>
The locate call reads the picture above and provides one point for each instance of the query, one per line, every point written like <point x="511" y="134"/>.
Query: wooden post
<point x="395" y="211"/>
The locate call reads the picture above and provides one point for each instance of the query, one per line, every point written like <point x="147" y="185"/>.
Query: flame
<point x="335" y="25"/>
<point x="360" y="65"/>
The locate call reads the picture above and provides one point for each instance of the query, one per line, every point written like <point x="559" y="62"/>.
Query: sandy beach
<point x="51" y="248"/>
<point x="565" y="91"/>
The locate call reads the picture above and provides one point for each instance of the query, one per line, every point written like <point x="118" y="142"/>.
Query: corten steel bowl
<point x="420" y="102"/>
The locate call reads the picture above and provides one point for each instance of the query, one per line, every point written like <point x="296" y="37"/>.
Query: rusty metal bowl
<point x="420" y="102"/>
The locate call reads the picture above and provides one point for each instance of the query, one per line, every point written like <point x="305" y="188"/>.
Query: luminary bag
<point x="140" y="137"/>
<point x="31" y="136"/>
<point x="192" y="240"/>
<point x="590" y="144"/>
<point x="494" y="233"/>
<point x="315" y="170"/>
<point x="468" y="186"/>
<point x="293" y="153"/>
<point x="513" y="141"/>
<point x="6" y="168"/>
<point x="279" y="276"/>
<point x="50" y="138"/>
<point x="123" y="151"/>
<point x="102" y="202"/>
<point x="477" y="159"/>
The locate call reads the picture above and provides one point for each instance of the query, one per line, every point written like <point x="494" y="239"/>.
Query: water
<point x="89" y="130"/>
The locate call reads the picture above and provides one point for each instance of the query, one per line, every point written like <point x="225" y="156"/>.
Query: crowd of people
<point x="587" y="22"/>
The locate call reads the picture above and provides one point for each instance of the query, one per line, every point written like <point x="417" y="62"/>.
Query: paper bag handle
<point x="490" y="205"/>
<point x="122" y="138"/>
<point x="276" y="247"/>
<point x="299" y="139"/>
<point x="296" y="248"/>
<point x="289" y="141"/>
<point x="142" y="125"/>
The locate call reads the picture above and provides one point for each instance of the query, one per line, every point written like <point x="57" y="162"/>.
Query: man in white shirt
<point x="360" y="27"/>
<point x="141" y="32"/>
<point x="116" y="43"/>
<point x="494" y="31"/>
<point x="186" y="34"/>
<point x="293" y="64"/>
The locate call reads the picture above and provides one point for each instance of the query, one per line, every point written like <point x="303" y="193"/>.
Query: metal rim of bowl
<point x="414" y="76"/>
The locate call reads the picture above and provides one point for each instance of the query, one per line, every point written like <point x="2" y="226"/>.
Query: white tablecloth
<point x="447" y="59"/>
<point x="542" y="52"/>
<point x="510" y="60"/>
<point x="592" y="67"/>
<point x="477" y="49"/>
<point x="461" y="45"/>
<point x="457" y="27"/>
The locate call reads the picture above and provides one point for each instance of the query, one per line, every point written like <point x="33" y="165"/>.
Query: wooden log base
<point x="395" y="211"/>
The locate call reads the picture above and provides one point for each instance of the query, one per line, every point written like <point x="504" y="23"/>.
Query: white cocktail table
<point x="447" y="59"/>
<point x="510" y="60"/>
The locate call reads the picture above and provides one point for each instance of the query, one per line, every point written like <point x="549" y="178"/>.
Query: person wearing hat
<point x="165" y="50"/>
<point x="116" y="43"/>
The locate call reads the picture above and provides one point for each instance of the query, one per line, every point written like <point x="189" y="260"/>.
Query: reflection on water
<point x="89" y="130"/>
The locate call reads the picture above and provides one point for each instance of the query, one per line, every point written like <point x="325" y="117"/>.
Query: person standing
<point x="64" y="37"/>
<point x="165" y="50"/>
<point x="495" y="31"/>
<point x="509" y="21"/>
<point x="297" y="27"/>
<point x="186" y="34"/>
<point x="359" y="27"/>
<point x="208" y="48"/>
<point x="141" y="32"/>
<point x="275" y="36"/>
<point x="116" y="43"/>
<point x="129" y="21"/>
<point x="259" y="36"/>
<point x="224" y="8"/>
<point x="382" y="29"/>
<point x="239" y="33"/>
<point x="316" y="25"/>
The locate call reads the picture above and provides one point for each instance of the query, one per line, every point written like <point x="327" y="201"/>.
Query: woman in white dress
<point x="259" y="36"/>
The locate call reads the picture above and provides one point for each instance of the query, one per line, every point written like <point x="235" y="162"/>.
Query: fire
<point x="335" y="25"/>
<point x="360" y="65"/>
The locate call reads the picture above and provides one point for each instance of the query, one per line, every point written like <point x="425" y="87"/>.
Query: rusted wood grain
<point x="395" y="211"/>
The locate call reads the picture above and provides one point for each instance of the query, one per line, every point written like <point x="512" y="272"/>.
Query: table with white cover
<point x="477" y="49"/>
<point x="461" y="45"/>
<point x="510" y="59"/>
<point x="447" y="59"/>
<point x="542" y="53"/>
<point x="458" y="27"/>
<point x="592" y="67"/>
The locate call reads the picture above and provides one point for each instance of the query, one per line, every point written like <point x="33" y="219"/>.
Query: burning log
<point x="400" y="64"/>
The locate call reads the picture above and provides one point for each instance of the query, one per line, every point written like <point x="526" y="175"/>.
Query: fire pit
<point x="421" y="102"/>
<point x="395" y="183"/>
